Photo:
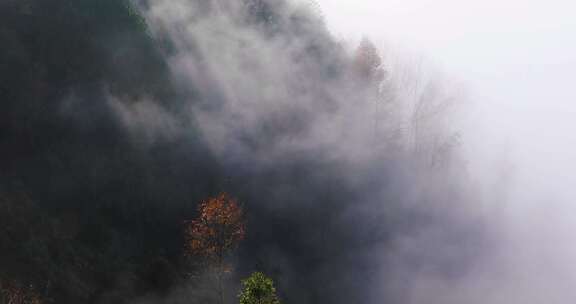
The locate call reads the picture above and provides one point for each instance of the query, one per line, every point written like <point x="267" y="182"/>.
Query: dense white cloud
<point x="517" y="59"/>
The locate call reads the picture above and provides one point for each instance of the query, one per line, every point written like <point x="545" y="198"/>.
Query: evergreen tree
<point x="258" y="289"/>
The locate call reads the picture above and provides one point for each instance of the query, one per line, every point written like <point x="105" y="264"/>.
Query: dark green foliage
<point x="71" y="223"/>
<point x="60" y="43"/>
<point x="258" y="289"/>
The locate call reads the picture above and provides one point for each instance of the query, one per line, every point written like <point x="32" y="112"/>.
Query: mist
<point x="361" y="166"/>
<point x="290" y="112"/>
<point x="515" y="61"/>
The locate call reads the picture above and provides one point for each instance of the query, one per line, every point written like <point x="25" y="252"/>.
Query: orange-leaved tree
<point x="368" y="62"/>
<point x="217" y="230"/>
<point x="13" y="294"/>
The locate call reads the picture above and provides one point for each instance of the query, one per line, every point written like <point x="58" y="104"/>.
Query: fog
<point x="433" y="170"/>
<point x="516" y="60"/>
<point x="364" y="175"/>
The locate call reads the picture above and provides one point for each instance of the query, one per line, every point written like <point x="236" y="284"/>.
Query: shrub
<point x="258" y="289"/>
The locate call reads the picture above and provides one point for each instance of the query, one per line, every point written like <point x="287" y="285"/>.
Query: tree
<point x="13" y="294"/>
<point x="218" y="229"/>
<point x="258" y="289"/>
<point x="367" y="61"/>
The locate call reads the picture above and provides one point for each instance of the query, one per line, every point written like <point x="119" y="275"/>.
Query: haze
<point x="517" y="61"/>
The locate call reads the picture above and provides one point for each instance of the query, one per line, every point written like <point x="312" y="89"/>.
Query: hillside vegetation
<point x="120" y="118"/>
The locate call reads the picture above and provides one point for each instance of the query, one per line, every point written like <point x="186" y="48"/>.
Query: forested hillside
<point x="119" y="118"/>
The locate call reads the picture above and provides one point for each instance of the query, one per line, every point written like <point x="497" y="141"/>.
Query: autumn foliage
<point x="367" y="61"/>
<point x="12" y="294"/>
<point x="218" y="228"/>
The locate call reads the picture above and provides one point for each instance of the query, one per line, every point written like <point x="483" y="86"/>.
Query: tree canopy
<point x="258" y="289"/>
